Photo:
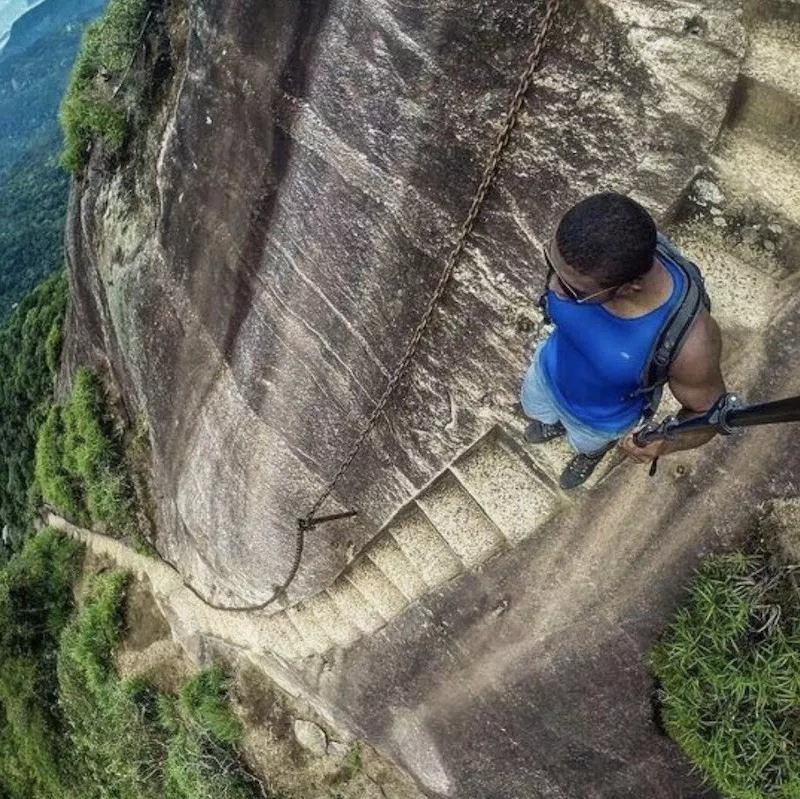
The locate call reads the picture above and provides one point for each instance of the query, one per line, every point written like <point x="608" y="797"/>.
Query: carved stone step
<point x="377" y="588"/>
<point x="743" y="295"/>
<point x="391" y="560"/>
<point x="355" y="607"/>
<point x="284" y="639"/>
<point x="506" y="487"/>
<point x="460" y="520"/>
<point x="551" y="459"/>
<point x="312" y="633"/>
<point x="329" y="618"/>
<point x="774" y="54"/>
<point x="769" y="111"/>
<point x="425" y="549"/>
<point x="548" y="459"/>
<point x="756" y="171"/>
<point x="759" y="11"/>
<point x="267" y="633"/>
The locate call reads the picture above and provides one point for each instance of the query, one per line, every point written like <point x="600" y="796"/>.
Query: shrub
<point x="54" y="481"/>
<point x="729" y="667"/>
<point x="121" y="728"/>
<point x="87" y="448"/>
<point x="201" y="761"/>
<point x="35" y="586"/>
<point x="87" y="644"/>
<point x="198" y="767"/>
<point x="141" y="546"/>
<point x="69" y="726"/>
<point x="115" y="748"/>
<point x="90" y="110"/>
<point x="79" y="465"/>
<point x="92" y="454"/>
<point x="52" y="346"/>
<point x="203" y="701"/>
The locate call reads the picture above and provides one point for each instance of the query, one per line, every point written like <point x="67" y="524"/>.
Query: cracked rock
<point x="311" y="737"/>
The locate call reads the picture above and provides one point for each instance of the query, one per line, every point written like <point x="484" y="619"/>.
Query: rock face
<point x="251" y="277"/>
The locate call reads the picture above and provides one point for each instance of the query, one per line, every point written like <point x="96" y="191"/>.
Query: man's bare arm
<point x="696" y="381"/>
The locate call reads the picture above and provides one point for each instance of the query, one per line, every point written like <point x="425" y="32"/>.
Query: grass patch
<point x="729" y="668"/>
<point x="79" y="461"/>
<point x="141" y="546"/>
<point x="92" y="110"/>
<point x="110" y="725"/>
<point x="201" y="758"/>
<point x="352" y="766"/>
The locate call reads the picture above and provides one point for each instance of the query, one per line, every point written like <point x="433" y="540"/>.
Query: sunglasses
<point x="573" y="294"/>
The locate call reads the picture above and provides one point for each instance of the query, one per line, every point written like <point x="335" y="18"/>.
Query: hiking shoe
<point x="581" y="467"/>
<point x="538" y="432"/>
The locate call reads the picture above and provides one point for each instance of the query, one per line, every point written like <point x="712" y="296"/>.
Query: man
<point x="609" y="293"/>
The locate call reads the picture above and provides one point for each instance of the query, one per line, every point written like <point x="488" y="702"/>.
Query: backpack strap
<point x="542" y="301"/>
<point x="672" y="335"/>
<point x="666" y="249"/>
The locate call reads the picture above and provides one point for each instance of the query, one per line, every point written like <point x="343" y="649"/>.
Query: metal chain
<point x="489" y="175"/>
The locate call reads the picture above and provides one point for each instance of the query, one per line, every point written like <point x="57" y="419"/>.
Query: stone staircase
<point x="491" y="498"/>
<point x="740" y="221"/>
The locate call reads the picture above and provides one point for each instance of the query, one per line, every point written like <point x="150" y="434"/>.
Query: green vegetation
<point x="92" y="109"/>
<point x="70" y="728"/>
<point x="134" y="742"/>
<point x="729" y="667"/>
<point x="79" y="459"/>
<point x="141" y="546"/>
<point x="33" y="200"/>
<point x="108" y="736"/>
<point x="351" y="767"/>
<point x="34" y="68"/>
<point x="201" y="758"/>
<point x="35" y="604"/>
<point x="30" y="342"/>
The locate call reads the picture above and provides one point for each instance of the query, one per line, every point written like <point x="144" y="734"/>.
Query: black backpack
<point x="672" y="334"/>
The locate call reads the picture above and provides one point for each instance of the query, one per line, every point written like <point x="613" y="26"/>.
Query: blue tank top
<point x="593" y="360"/>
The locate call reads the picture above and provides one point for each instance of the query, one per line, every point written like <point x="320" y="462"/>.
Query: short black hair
<point x="608" y="236"/>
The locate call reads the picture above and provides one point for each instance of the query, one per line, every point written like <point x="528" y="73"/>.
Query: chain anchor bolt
<point x="310" y="522"/>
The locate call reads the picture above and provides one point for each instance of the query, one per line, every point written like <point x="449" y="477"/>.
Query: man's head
<point x="603" y="242"/>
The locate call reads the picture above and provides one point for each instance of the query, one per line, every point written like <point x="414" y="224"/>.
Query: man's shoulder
<point x="701" y="348"/>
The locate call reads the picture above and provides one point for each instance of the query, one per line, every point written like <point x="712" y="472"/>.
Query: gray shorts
<point x="538" y="403"/>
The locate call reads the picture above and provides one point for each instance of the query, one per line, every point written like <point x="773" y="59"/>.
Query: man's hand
<point x="642" y="454"/>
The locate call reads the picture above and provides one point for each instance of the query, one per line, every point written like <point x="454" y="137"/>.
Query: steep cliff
<point x="251" y="273"/>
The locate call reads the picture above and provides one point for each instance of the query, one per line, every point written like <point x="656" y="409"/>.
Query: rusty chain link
<point x="489" y="174"/>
